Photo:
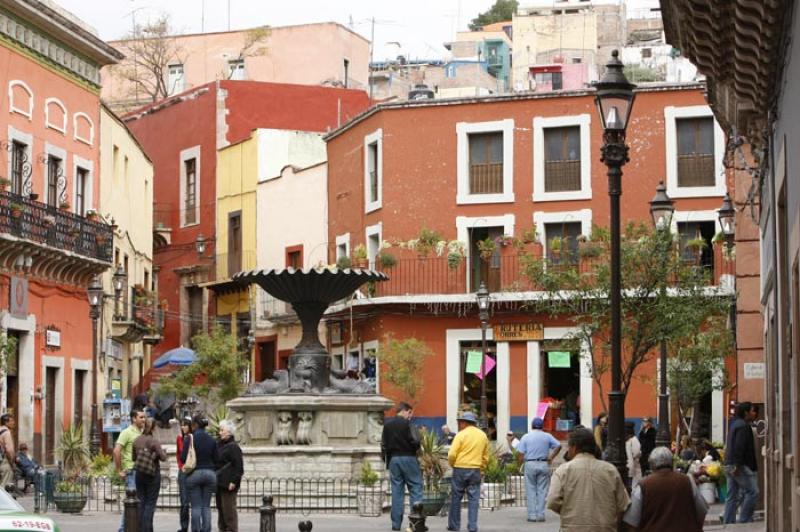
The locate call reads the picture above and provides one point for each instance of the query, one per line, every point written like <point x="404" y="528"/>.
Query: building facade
<point x="186" y="186"/>
<point x="51" y="242"/>
<point x="496" y="168"/>
<point x="308" y="54"/>
<point x="753" y="91"/>
<point x="130" y="324"/>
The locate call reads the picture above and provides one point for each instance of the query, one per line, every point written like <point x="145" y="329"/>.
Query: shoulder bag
<point x="146" y="462"/>
<point x="191" y="458"/>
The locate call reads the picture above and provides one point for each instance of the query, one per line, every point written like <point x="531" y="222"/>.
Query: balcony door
<point x="484" y="268"/>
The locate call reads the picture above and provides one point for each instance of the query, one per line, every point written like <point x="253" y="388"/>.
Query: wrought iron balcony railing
<point x="36" y="222"/>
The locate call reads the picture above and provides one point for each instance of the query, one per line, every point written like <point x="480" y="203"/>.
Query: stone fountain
<point x="309" y="420"/>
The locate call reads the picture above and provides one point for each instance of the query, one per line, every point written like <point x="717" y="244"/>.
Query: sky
<point x="414" y="28"/>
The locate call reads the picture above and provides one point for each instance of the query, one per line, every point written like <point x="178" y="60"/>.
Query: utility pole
<point x="371" y="55"/>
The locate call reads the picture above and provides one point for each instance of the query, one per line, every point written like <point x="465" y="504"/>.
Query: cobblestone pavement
<point x="505" y="520"/>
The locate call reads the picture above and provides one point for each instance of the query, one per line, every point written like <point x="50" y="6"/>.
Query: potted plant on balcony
<point x="92" y="215"/>
<point x="695" y="247"/>
<point x="4" y="183"/>
<point x="433" y="463"/>
<point x="426" y="241"/>
<point x="486" y="248"/>
<point x="556" y="244"/>
<point x="369" y="495"/>
<point x="69" y="495"/>
<point x="360" y="256"/>
<point x="344" y="262"/>
<point x="16" y="209"/>
<point x="64" y="205"/>
<point x="386" y="260"/>
<point x="455" y="254"/>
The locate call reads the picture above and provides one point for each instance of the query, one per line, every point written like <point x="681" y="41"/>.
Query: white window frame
<point x="583" y="121"/>
<point x="79" y="162"/>
<point x="371" y="231"/>
<point x="373" y="344"/>
<point x="61" y="128"/>
<point x="695" y="216"/>
<point x="376" y="137"/>
<point x="234" y="66"/>
<point x="174" y="83"/>
<point x="671" y="115"/>
<point x="12" y="105"/>
<point x="540" y="218"/>
<point x="465" y="223"/>
<point x="343" y="240"/>
<point x="61" y="153"/>
<point x="463" y="129"/>
<point x="76" y="129"/>
<point x="190" y="153"/>
<point x="25" y="138"/>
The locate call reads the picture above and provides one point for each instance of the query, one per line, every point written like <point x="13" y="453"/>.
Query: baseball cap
<point x="537" y="423"/>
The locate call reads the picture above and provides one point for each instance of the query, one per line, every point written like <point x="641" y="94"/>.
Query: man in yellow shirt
<point x="468" y="456"/>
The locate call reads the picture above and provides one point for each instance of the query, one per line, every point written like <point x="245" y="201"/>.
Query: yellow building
<point x="237" y="179"/>
<point x="130" y="322"/>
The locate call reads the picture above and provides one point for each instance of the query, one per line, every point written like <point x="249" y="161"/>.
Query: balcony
<point x="696" y="170"/>
<point x="138" y="321"/>
<point x="63" y="246"/>
<point x="162" y="224"/>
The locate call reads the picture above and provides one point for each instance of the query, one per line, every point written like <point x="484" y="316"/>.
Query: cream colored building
<point x="565" y="32"/>
<point x="129" y="324"/>
<point x="308" y="54"/>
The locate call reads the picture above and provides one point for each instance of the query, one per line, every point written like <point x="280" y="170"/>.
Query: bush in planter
<point x="369" y="496"/>
<point x="494" y="478"/>
<point x="69" y="495"/>
<point x="433" y="463"/>
<point x="4" y="183"/>
<point x="344" y="263"/>
<point x="386" y="259"/>
<point x="360" y="256"/>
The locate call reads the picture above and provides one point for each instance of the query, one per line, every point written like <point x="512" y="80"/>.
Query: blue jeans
<point x="147" y="488"/>
<point x="183" y="492"/>
<point x="469" y="481"/>
<point x="130" y="482"/>
<point x="537" y="482"/>
<point x="742" y="489"/>
<point x="404" y="471"/>
<point x="202" y="484"/>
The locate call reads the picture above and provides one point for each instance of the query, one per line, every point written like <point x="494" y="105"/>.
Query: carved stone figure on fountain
<point x="279" y="383"/>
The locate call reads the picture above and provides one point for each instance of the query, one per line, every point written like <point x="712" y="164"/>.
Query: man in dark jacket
<point x="741" y="466"/>
<point x="399" y="445"/>
<point x="647" y="438"/>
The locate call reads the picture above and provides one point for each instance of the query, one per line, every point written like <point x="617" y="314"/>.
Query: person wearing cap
<point x="468" y="457"/>
<point x="647" y="439"/>
<point x="399" y="446"/>
<point x="538" y="449"/>
<point x="183" y="492"/>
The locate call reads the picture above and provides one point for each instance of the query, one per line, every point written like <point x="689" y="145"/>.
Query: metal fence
<point x="290" y="495"/>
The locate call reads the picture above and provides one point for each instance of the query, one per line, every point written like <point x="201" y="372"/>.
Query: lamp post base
<point x="664" y="435"/>
<point x="616" y="434"/>
<point x="94" y="436"/>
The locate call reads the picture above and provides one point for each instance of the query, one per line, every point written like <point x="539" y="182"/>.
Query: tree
<point x="697" y="368"/>
<point x="404" y="361"/>
<point x="216" y="375"/>
<point x="252" y="46"/>
<point x="502" y="10"/>
<point x="150" y="49"/>
<point x="650" y="311"/>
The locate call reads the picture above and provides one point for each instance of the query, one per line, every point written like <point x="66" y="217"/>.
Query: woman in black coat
<point x="230" y="468"/>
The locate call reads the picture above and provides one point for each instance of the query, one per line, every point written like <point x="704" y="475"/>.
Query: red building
<point x="49" y="248"/>
<point x="181" y="135"/>
<point x="501" y="166"/>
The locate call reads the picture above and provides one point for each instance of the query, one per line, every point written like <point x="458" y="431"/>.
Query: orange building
<point x="493" y="167"/>
<point x="50" y="243"/>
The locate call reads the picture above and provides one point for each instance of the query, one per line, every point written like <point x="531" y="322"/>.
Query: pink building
<point x="309" y="54"/>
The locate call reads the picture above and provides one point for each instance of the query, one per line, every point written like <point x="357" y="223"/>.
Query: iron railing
<point x="37" y="222"/>
<point x="290" y="495"/>
<point x="562" y="176"/>
<point x="696" y="170"/>
<point x="486" y="178"/>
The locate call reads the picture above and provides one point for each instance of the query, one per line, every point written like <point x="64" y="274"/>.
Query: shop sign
<point x="753" y="370"/>
<point x="52" y="337"/>
<point x="518" y="332"/>
<point x="19" y="297"/>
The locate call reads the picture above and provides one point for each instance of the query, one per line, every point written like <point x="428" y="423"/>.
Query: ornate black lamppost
<point x="614" y="102"/>
<point x="727" y="219"/>
<point x="483" y="313"/>
<point x="661" y="209"/>
<point x="120" y="281"/>
<point x="95" y="295"/>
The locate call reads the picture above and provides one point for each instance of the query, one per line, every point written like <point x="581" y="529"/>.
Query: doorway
<point x="12" y="384"/>
<point x="470" y="386"/>
<point x="51" y="377"/>
<point x="266" y="360"/>
<point x="484" y="269"/>
<point x="561" y="378"/>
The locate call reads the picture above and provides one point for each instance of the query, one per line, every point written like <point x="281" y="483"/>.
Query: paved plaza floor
<point x="504" y="520"/>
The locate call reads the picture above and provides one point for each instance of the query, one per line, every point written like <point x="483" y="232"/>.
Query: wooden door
<point x="50" y="416"/>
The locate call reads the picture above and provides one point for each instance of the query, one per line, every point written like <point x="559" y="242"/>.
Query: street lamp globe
<point x="200" y="244"/>
<point x="95" y="293"/>
<point x="727" y="215"/>
<point x="483" y="302"/>
<point x="614" y="96"/>
<point x="661" y="207"/>
<point x="120" y="279"/>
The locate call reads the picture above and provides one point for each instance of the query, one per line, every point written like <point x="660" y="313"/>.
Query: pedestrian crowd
<point x="586" y="491"/>
<point x="206" y="467"/>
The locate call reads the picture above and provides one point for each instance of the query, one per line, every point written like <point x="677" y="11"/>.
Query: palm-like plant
<point x="432" y="460"/>
<point x="74" y="452"/>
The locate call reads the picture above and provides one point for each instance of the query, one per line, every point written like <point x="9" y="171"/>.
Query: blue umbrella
<point x="180" y="356"/>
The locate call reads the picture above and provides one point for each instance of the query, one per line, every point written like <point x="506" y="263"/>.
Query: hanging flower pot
<point x="16" y="210"/>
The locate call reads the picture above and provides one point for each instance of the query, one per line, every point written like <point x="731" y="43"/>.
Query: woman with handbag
<point x="147" y="453"/>
<point x="183" y="492"/>
<point x="199" y="456"/>
<point x="229" y="476"/>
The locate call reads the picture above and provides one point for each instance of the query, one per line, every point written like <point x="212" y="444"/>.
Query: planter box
<point x="370" y="500"/>
<point x="433" y="502"/>
<point x="69" y="503"/>
<point x="492" y="495"/>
